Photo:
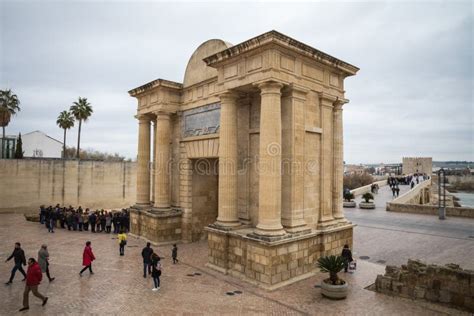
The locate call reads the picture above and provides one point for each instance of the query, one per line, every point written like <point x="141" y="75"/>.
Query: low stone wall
<point x="430" y="209"/>
<point x="164" y="227"/>
<point x="413" y="195"/>
<point x="273" y="264"/>
<point x="446" y="284"/>
<point x="366" y="188"/>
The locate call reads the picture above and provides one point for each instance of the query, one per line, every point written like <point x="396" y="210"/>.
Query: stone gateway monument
<point x="247" y="152"/>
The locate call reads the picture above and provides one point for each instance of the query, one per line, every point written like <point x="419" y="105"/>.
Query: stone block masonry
<point x="25" y="184"/>
<point x="448" y="284"/>
<point x="271" y="265"/>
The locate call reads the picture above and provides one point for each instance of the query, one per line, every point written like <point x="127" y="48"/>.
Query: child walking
<point x="174" y="254"/>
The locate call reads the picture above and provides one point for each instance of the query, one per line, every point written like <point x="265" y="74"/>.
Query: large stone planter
<point x="367" y="205"/>
<point x="349" y="204"/>
<point x="335" y="292"/>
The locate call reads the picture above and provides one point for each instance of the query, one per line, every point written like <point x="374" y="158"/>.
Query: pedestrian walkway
<point x="118" y="286"/>
<point x="393" y="238"/>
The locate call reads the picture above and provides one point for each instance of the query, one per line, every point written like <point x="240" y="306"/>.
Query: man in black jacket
<point x="19" y="258"/>
<point x="146" y="254"/>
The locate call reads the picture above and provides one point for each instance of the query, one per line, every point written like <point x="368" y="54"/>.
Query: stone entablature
<point x="268" y="113"/>
<point x="448" y="284"/>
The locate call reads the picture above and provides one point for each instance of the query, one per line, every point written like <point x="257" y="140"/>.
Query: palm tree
<point x="9" y="105"/>
<point x="65" y="121"/>
<point x="81" y="110"/>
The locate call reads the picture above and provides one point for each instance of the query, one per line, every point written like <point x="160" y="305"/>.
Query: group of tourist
<point x="81" y="220"/>
<point x="50" y="216"/>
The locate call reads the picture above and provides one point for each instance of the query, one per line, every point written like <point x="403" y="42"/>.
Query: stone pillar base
<point x="271" y="264"/>
<point x="157" y="225"/>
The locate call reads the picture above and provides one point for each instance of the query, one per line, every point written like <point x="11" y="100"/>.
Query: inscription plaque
<point x="203" y="120"/>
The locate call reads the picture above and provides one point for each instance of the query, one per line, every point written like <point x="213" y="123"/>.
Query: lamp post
<point x="441" y="194"/>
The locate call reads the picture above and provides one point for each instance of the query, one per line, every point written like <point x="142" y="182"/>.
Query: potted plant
<point x="367" y="203"/>
<point x="333" y="287"/>
<point x="349" y="200"/>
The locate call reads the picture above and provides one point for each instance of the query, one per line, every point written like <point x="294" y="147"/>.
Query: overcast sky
<point x="412" y="97"/>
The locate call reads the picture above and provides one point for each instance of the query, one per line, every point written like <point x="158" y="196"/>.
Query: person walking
<point x="33" y="279"/>
<point x="19" y="258"/>
<point x="156" y="271"/>
<point x="146" y="255"/>
<point x="174" y="254"/>
<point x="347" y="255"/>
<point x="87" y="258"/>
<point x="43" y="261"/>
<point x="122" y="239"/>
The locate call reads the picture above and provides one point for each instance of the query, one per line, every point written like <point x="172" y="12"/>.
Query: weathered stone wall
<point x="25" y="184"/>
<point x="156" y="227"/>
<point x="417" y="165"/>
<point x="430" y="209"/>
<point x="446" y="284"/>
<point x="272" y="265"/>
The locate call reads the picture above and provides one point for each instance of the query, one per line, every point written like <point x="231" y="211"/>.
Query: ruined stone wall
<point x="25" y="184"/>
<point x="446" y="284"/>
<point x="273" y="265"/>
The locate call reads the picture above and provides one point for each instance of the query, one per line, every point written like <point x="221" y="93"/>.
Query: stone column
<point x="227" y="210"/>
<point x="153" y="165"/>
<point x="269" y="186"/>
<point x="293" y="133"/>
<point x="162" y="143"/>
<point x="327" y="172"/>
<point x="143" y="161"/>
<point x="338" y="166"/>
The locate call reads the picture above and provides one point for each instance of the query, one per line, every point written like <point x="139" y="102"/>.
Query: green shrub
<point x="332" y="265"/>
<point x="367" y="197"/>
<point x="348" y="196"/>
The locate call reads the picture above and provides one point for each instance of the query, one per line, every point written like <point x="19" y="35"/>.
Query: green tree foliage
<point x="19" y="148"/>
<point x="65" y="121"/>
<point x="82" y="110"/>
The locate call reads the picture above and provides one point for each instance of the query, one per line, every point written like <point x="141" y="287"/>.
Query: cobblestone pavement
<point x="393" y="238"/>
<point x="118" y="287"/>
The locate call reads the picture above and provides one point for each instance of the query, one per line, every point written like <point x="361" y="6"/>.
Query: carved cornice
<point x="274" y="37"/>
<point x="154" y="84"/>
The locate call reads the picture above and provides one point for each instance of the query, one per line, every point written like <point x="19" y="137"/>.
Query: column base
<point x="141" y="206"/>
<point x="226" y="226"/>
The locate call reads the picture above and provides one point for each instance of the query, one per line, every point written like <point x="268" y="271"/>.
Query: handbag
<point x="352" y="267"/>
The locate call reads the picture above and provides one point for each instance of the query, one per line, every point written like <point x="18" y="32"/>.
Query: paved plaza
<point x="393" y="238"/>
<point x="188" y="288"/>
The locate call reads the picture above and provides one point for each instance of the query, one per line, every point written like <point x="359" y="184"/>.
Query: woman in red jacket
<point x="33" y="279"/>
<point x="87" y="258"/>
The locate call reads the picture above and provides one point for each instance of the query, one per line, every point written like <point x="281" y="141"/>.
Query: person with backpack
<point x="156" y="271"/>
<point x="122" y="239"/>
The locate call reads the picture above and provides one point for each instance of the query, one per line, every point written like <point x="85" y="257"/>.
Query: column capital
<point x="229" y="96"/>
<point x="270" y="86"/>
<point x="162" y="115"/>
<point x="339" y="103"/>
<point x="143" y="117"/>
<point x="295" y="91"/>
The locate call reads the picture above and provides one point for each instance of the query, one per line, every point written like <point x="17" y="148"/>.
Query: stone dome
<point x="197" y="70"/>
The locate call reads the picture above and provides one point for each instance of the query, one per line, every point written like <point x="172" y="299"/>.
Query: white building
<point x="38" y="144"/>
